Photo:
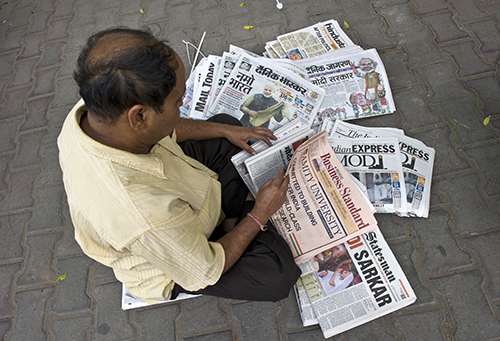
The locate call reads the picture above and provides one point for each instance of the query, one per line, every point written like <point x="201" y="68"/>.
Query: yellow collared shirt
<point x="146" y="216"/>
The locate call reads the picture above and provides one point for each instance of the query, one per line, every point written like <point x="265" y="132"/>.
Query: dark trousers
<point x="266" y="271"/>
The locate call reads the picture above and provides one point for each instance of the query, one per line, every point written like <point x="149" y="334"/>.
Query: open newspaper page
<point x="314" y="40"/>
<point x="307" y="314"/>
<point x="355" y="282"/>
<point x="417" y="161"/>
<point x="203" y="89"/>
<point x="261" y="94"/>
<point x="288" y="131"/>
<point x="377" y="164"/>
<point x="356" y="84"/>
<point x="266" y="164"/>
<point x="323" y="206"/>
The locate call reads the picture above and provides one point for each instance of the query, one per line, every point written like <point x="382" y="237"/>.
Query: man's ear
<point x="137" y="116"/>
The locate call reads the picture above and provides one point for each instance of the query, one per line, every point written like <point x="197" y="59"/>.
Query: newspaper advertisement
<point x="417" y="161"/>
<point x="203" y="88"/>
<point x="356" y="85"/>
<point x="323" y="207"/>
<point x="355" y="282"/>
<point x="377" y="164"/>
<point x="261" y="94"/>
<point x="314" y="40"/>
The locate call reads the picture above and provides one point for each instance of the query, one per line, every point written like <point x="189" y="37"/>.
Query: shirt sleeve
<point x="182" y="252"/>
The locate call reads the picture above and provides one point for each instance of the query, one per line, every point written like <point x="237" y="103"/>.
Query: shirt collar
<point x="149" y="163"/>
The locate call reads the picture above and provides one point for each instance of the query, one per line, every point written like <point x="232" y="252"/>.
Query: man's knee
<point x="225" y="118"/>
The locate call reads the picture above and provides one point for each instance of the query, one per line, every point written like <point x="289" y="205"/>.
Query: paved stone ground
<point x="442" y="58"/>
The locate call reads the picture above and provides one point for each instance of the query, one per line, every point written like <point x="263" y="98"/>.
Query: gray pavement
<point x="442" y="58"/>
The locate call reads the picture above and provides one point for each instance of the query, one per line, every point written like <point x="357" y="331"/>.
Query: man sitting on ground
<point x="148" y="191"/>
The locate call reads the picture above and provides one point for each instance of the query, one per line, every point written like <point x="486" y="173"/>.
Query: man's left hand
<point x="239" y="136"/>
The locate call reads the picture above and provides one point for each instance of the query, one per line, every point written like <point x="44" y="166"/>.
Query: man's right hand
<point x="253" y="114"/>
<point x="271" y="196"/>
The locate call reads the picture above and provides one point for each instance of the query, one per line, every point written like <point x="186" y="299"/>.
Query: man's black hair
<point x="140" y="73"/>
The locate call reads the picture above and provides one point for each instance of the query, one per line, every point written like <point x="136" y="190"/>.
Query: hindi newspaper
<point x="314" y="40"/>
<point x="377" y="164"/>
<point x="354" y="283"/>
<point x="356" y="84"/>
<point x="260" y="93"/>
<point x="323" y="206"/>
<point x="417" y="161"/>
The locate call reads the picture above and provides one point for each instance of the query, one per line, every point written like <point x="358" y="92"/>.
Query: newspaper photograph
<point x="417" y="161"/>
<point x="314" y="40"/>
<point x="356" y="85"/>
<point x="261" y="94"/>
<point x="354" y="283"/>
<point x="323" y="207"/>
<point x="377" y="164"/>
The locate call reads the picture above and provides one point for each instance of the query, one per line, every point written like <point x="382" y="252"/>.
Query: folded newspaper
<point x="260" y="93"/>
<point x="351" y="284"/>
<point x="416" y="160"/>
<point x="355" y="82"/>
<point x="314" y="40"/>
<point x="323" y="206"/>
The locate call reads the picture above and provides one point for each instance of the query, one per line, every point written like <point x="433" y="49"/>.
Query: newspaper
<point x="188" y="95"/>
<point x="417" y="161"/>
<point x="323" y="206"/>
<point x="203" y="87"/>
<point x="227" y="64"/>
<point x="287" y="132"/>
<point x="307" y="314"/>
<point x="266" y="164"/>
<point x="377" y="164"/>
<point x="314" y="40"/>
<point x="354" y="283"/>
<point x="130" y="301"/>
<point x="271" y="52"/>
<point x="356" y="84"/>
<point x="278" y="49"/>
<point x="259" y="93"/>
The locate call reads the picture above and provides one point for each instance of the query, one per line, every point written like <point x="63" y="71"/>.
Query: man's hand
<point x="271" y="196"/>
<point x="239" y="136"/>
<point x="253" y="113"/>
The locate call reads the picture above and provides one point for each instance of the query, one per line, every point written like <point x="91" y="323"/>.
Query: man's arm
<point x="188" y="129"/>
<point x="269" y="199"/>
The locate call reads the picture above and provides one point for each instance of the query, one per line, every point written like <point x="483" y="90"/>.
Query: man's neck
<point x="107" y="135"/>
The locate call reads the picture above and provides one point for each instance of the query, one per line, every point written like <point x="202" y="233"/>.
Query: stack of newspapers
<point x="320" y="76"/>
<point x="307" y="84"/>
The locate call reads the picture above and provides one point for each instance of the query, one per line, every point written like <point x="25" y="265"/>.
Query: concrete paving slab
<point x="442" y="57"/>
